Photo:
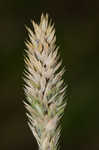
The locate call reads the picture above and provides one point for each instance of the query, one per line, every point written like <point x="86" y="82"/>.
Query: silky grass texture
<point x="44" y="87"/>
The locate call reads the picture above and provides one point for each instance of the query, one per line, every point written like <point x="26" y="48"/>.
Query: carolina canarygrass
<point x="44" y="87"/>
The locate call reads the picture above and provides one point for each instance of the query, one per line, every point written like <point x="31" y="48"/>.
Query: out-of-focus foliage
<point x="77" y="31"/>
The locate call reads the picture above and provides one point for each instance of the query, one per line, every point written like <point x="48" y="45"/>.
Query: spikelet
<point x="44" y="86"/>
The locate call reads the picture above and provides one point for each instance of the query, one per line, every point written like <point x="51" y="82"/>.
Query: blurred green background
<point x="77" y="30"/>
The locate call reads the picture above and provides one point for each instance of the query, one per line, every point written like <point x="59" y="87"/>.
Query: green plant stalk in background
<point x="44" y="87"/>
